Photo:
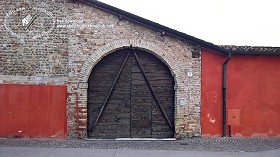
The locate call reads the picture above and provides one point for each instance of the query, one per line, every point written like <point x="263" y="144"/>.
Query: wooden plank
<point x="151" y="88"/>
<point x="131" y="110"/>
<point x="114" y="121"/>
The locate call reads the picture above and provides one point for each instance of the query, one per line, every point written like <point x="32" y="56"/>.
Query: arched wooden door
<point x="130" y="95"/>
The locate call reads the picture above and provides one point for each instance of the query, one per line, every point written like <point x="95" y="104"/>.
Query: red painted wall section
<point x="37" y="111"/>
<point x="253" y="101"/>
<point x="211" y="93"/>
<point x="254" y="90"/>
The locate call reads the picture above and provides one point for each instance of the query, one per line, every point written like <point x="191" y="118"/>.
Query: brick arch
<point x="108" y="48"/>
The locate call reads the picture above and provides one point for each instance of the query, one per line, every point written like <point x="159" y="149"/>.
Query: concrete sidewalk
<point x="84" y="152"/>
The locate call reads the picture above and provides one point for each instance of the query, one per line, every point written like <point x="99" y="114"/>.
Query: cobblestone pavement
<point x="197" y="144"/>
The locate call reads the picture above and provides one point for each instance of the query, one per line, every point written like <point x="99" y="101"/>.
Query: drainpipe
<point x="224" y="94"/>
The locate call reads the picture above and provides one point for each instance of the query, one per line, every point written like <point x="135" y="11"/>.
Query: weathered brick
<point x="67" y="56"/>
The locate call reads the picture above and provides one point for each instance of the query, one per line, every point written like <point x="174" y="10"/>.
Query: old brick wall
<point x="82" y="35"/>
<point x="22" y="54"/>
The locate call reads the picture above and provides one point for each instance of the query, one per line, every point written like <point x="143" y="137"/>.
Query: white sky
<point x="222" y="22"/>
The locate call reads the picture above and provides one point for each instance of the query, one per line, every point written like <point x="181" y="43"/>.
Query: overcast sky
<point x="222" y="22"/>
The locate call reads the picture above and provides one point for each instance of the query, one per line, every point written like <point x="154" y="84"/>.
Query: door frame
<point x="174" y="63"/>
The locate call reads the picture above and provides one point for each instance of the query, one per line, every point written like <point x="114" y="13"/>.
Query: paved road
<point x="197" y="144"/>
<point x="212" y="147"/>
<point x="87" y="152"/>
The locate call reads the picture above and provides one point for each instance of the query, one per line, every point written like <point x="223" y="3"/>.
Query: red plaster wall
<point x="32" y="111"/>
<point x="211" y="93"/>
<point x="253" y="95"/>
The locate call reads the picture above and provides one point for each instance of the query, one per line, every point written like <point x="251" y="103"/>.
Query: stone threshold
<point x="132" y="139"/>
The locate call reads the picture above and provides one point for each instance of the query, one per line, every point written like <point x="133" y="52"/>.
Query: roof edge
<point x="154" y="25"/>
<point x="162" y="28"/>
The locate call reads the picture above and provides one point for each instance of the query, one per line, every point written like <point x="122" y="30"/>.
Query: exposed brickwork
<point x="25" y="56"/>
<point x="68" y="54"/>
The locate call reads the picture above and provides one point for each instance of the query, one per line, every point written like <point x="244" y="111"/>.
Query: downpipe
<point x="224" y="90"/>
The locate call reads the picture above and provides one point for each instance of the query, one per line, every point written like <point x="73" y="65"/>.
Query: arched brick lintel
<point x="101" y="52"/>
<point x="108" y="48"/>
